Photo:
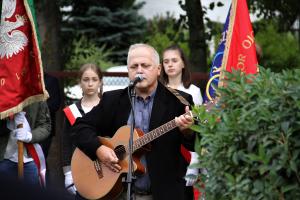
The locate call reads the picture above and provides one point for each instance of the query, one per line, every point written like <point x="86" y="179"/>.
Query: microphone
<point x="138" y="78"/>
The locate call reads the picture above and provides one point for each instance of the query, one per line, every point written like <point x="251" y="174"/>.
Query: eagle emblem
<point x="12" y="41"/>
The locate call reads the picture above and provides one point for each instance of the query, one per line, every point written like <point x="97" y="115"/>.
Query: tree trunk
<point x="197" y="43"/>
<point x="48" y="19"/>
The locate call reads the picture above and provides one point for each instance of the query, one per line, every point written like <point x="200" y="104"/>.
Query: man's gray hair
<point x="134" y="46"/>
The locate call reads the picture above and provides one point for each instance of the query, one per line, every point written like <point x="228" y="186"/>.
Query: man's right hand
<point x="108" y="157"/>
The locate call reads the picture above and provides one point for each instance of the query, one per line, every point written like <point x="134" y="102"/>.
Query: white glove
<point x="22" y="134"/>
<point x="69" y="185"/>
<point x="19" y="118"/>
<point x="191" y="175"/>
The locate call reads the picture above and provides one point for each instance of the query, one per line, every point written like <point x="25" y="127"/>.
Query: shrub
<point x="84" y="51"/>
<point x="250" y="142"/>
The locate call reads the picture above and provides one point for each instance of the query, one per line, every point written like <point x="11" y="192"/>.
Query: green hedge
<point x="250" y="143"/>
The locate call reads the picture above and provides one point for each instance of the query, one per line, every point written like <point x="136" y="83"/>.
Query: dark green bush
<point x="250" y="144"/>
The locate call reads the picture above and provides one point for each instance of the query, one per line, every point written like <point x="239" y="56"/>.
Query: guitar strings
<point x="168" y="125"/>
<point x="162" y="129"/>
<point x="123" y="148"/>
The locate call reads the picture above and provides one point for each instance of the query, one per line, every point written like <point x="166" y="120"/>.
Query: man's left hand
<point x="184" y="121"/>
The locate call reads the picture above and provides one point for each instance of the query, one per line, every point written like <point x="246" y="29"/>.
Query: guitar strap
<point x="179" y="96"/>
<point x="184" y="152"/>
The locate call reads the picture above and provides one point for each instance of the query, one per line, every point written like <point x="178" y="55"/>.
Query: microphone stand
<point x="130" y="177"/>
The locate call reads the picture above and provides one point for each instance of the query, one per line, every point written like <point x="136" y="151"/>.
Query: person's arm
<point x="42" y="127"/>
<point x="86" y="129"/>
<point x="84" y="133"/>
<point x="66" y="156"/>
<point x="66" y="144"/>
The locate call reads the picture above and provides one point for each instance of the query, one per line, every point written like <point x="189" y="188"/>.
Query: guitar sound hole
<point x="120" y="152"/>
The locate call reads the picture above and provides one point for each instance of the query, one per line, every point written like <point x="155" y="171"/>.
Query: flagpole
<point x="20" y="156"/>
<point x="20" y="160"/>
<point x="228" y="42"/>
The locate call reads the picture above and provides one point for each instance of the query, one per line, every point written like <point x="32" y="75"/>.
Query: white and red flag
<point x="21" y="71"/>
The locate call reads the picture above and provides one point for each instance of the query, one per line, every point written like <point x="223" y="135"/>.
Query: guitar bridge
<point x="98" y="168"/>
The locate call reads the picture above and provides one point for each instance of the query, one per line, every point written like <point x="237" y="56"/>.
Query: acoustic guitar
<point x="94" y="180"/>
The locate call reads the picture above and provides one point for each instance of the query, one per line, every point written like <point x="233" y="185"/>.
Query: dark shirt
<point x="3" y="129"/>
<point x="54" y="100"/>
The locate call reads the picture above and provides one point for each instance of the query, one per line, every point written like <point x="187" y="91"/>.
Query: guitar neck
<point x="152" y="135"/>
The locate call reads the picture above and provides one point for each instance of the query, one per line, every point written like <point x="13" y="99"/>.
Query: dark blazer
<point x="165" y="164"/>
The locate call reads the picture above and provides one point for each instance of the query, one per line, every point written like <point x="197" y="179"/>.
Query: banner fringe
<point x="26" y="102"/>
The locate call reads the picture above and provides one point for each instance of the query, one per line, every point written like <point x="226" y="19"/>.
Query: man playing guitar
<point x="155" y="106"/>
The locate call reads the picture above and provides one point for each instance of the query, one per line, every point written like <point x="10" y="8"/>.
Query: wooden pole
<point x="20" y="156"/>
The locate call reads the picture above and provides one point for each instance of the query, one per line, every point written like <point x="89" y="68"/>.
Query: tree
<point x="85" y="51"/>
<point x="165" y="31"/>
<point x="279" y="49"/>
<point x="286" y="12"/>
<point x="48" y="19"/>
<point x="115" y="24"/>
<point x="197" y="36"/>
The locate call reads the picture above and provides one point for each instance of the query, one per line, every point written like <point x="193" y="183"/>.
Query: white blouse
<point x="194" y="91"/>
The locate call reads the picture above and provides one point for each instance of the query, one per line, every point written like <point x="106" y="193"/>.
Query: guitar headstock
<point x="208" y="106"/>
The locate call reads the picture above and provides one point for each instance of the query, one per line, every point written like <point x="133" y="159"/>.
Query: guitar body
<point x="108" y="186"/>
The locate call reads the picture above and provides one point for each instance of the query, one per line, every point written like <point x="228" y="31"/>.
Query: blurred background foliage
<point x="85" y="51"/>
<point x="112" y="25"/>
<point x="280" y="50"/>
<point x="165" y="31"/>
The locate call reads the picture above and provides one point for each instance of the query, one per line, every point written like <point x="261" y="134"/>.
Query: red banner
<point x="240" y="51"/>
<point x="21" y="72"/>
<point x="236" y="51"/>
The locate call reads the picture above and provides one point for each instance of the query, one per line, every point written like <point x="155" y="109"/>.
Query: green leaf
<point x="285" y="126"/>
<point x="230" y="178"/>
<point x="287" y="188"/>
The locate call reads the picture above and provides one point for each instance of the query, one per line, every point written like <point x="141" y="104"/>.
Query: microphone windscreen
<point x="139" y="77"/>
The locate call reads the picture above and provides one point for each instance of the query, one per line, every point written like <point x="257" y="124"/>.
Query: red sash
<point x="36" y="152"/>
